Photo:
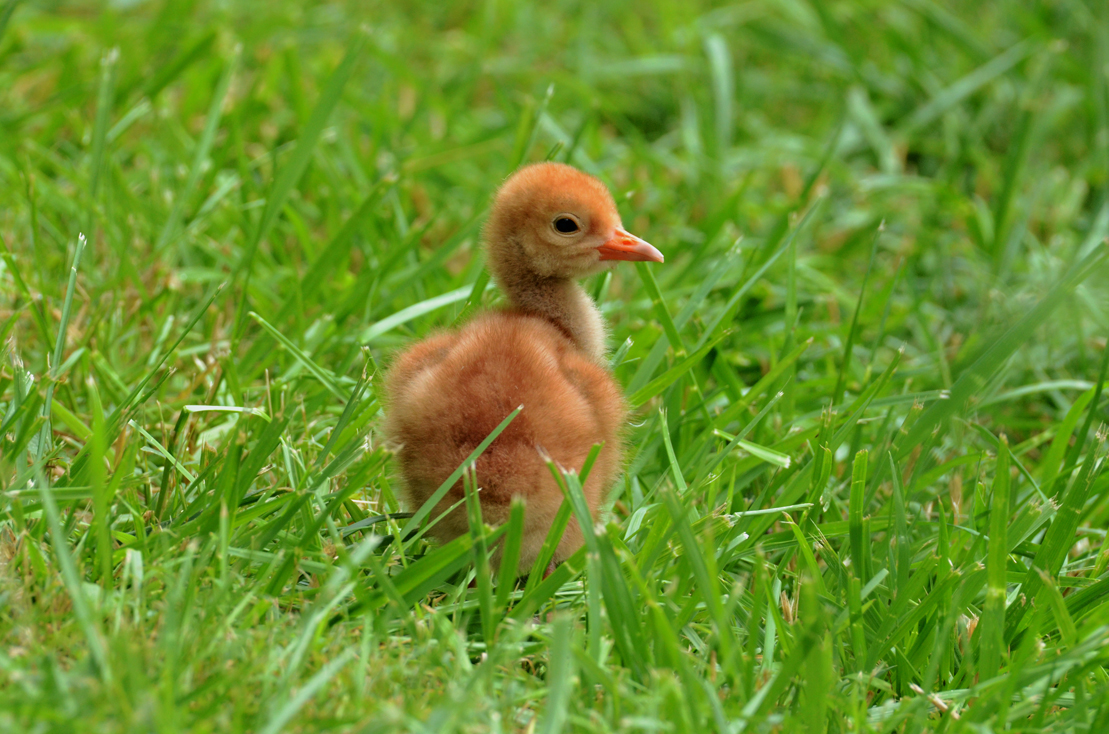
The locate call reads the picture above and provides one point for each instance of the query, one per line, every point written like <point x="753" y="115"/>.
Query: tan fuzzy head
<point x="554" y="221"/>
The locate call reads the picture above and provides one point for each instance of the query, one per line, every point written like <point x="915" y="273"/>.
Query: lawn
<point x="864" y="489"/>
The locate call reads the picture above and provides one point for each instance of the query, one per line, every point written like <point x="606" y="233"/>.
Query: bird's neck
<point x="562" y="302"/>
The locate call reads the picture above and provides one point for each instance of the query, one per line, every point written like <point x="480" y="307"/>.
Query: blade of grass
<point x="699" y="560"/>
<point x="441" y="492"/>
<point x="1080" y="437"/>
<point x="528" y="128"/>
<point x="71" y="577"/>
<point x="658" y="305"/>
<point x="560" y="675"/>
<point x="860" y="555"/>
<point x="165" y="75"/>
<point x="326" y="378"/>
<point x="104" y="100"/>
<point x="993" y="359"/>
<point x="6" y="16"/>
<point x="200" y="155"/>
<point x="45" y="437"/>
<point x="474" y="299"/>
<point x="668" y="378"/>
<point x="292" y="171"/>
<point x="728" y="313"/>
<point x="852" y="331"/>
<point x="278" y="720"/>
<point x="968" y="85"/>
<point x="768" y="455"/>
<point x="1058" y="540"/>
<point x="550" y="545"/>
<point x="622" y="610"/>
<point x="510" y="556"/>
<point x="992" y="624"/>
<point x="414" y="311"/>
<point x="484" y="576"/>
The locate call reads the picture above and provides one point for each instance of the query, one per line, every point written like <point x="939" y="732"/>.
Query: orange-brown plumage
<point x="447" y="393"/>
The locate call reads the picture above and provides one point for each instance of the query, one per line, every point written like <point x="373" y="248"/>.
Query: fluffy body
<point x="450" y="391"/>
<point x="550" y="225"/>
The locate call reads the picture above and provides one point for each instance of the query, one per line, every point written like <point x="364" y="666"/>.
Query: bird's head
<point x="558" y="222"/>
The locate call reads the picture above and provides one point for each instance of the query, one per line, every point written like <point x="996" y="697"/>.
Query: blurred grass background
<point x="891" y="213"/>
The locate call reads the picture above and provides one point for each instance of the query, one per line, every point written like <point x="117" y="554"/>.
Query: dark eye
<point x="565" y="225"/>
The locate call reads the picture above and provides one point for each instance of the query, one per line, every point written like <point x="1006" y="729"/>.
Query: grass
<point x="865" y="488"/>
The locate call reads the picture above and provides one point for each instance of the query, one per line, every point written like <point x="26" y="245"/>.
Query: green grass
<point x="865" y="486"/>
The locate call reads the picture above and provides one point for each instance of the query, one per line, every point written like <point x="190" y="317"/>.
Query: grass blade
<point x="73" y="583"/>
<point x="561" y="675"/>
<point x="291" y="172"/>
<point x="325" y="377"/>
<point x="203" y="147"/>
<point x="963" y="88"/>
<point x="992" y="624"/>
<point x="860" y="552"/>
<point x="672" y="375"/>
<point x="984" y="368"/>
<point x="852" y="331"/>
<point x="441" y="492"/>
<point x="414" y="311"/>
<point x="45" y="437"/>
<point x="283" y="715"/>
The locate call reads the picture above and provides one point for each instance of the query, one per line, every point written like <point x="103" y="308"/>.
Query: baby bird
<point x="550" y="225"/>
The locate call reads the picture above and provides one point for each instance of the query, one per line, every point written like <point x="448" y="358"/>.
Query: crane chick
<point x="550" y="226"/>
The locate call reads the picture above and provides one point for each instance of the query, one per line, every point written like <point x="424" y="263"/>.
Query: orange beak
<point x="626" y="246"/>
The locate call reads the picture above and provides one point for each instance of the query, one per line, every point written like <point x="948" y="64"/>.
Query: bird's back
<point x="447" y="394"/>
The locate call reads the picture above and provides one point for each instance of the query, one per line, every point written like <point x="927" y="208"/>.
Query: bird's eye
<point x="565" y="225"/>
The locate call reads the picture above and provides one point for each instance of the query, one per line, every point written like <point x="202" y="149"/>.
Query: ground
<point x="864" y="489"/>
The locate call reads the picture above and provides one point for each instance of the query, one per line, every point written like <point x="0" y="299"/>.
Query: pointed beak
<point x="626" y="246"/>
